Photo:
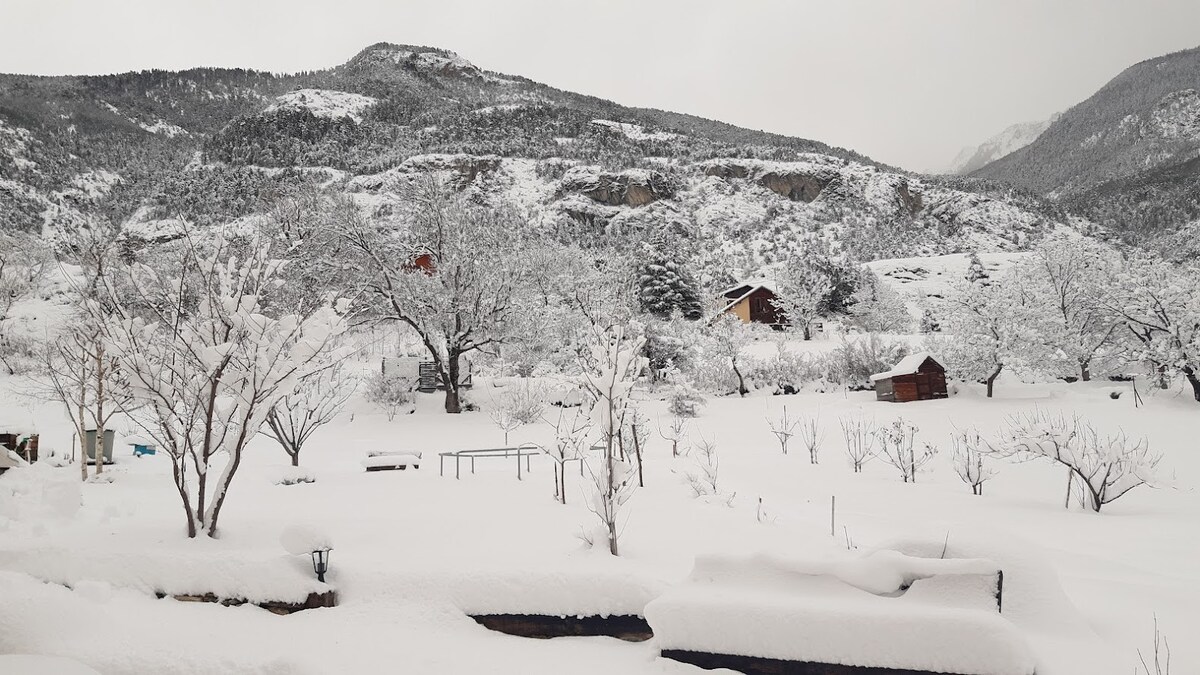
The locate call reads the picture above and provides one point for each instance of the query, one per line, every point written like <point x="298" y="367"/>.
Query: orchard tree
<point x="614" y="367"/>
<point x="877" y="307"/>
<point x="24" y="262"/>
<point x="1158" y="304"/>
<point x="1070" y="278"/>
<point x="802" y="292"/>
<point x="447" y="268"/>
<point x="991" y="327"/>
<point x="310" y="404"/>
<point x="205" y="363"/>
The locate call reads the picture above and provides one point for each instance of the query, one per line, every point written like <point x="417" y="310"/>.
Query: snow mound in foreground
<point x="884" y="610"/>
<point x="30" y="664"/>
<point x="304" y="539"/>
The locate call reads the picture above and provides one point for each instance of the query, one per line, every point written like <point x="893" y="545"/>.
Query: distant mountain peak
<point x="425" y="59"/>
<point x="1006" y="142"/>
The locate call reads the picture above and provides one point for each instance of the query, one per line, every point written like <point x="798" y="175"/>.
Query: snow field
<point x="415" y="552"/>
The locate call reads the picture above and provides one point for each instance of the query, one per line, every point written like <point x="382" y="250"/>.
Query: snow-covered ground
<point x="414" y="552"/>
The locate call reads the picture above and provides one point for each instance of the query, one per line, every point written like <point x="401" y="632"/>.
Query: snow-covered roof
<point x="907" y="366"/>
<point x="751" y="285"/>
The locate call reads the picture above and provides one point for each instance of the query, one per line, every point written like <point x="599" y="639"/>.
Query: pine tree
<point x="666" y="288"/>
<point x="975" y="270"/>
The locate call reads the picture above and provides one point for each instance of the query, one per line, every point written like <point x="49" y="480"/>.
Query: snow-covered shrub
<point x="897" y="446"/>
<point x="685" y="401"/>
<point x="703" y="480"/>
<point x="294" y="475"/>
<point x="859" y="434"/>
<point x="517" y="407"/>
<point x="784" y="373"/>
<point x="390" y="393"/>
<point x="968" y="450"/>
<point x="853" y="362"/>
<point x="1106" y="467"/>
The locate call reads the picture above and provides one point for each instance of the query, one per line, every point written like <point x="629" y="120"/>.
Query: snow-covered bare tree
<point x="897" y="446"/>
<point x="1069" y="276"/>
<point x="811" y="436"/>
<point x="516" y="407"/>
<point x="877" y="307"/>
<point x="859" y="433"/>
<point x="802" y="291"/>
<point x="310" y="404"/>
<point x="76" y="369"/>
<point x="24" y="262"/>
<point x="968" y="451"/>
<point x="445" y="267"/>
<point x="1159" y="305"/>
<point x="616" y="364"/>
<point x="675" y="433"/>
<point x="572" y="438"/>
<point x="727" y="335"/>
<point x="206" y="364"/>
<point x="1106" y="466"/>
<point x="991" y="327"/>
<point x="614" y="367"/>
<point x="783" y="428"/>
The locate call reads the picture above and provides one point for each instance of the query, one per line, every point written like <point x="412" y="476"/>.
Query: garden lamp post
<point x="320" y="558"/>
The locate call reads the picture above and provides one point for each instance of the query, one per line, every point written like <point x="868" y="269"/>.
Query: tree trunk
<point x="742" y="391"/>
<point x="1085" y="371"/>
<point x="807" y="332"/>
<point x="295" y="457"/>
<point x="450" y="375"/>
<point x="991" y="381"/>
<point x="1193" y="380"/>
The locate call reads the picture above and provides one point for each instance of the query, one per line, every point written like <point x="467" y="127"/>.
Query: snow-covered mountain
<point x="1008" y="141"/>
<point x="1127" y="157"/>
<point x="576" y="163"/>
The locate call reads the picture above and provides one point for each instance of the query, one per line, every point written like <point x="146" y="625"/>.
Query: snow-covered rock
<point x="325" y="103"/>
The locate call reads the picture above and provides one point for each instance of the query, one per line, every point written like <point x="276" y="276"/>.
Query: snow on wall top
<point x="325" y="103"/>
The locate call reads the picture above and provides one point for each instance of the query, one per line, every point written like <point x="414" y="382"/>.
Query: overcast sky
<point x="909" y="82"/>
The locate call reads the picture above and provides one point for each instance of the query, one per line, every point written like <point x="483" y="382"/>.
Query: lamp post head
<point x="320" y="558"/>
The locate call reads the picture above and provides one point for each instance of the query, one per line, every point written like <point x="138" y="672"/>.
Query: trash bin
<point x="89" y="442"/>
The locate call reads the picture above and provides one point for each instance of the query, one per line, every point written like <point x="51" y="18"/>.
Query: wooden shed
<point x="918" y="377"/>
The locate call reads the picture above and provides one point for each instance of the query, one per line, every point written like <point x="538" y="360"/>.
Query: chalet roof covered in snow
<point x="747" y="287"/>
<point x="907" y="366"/>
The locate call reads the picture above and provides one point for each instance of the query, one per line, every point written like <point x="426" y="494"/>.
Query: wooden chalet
<point x="918" y="377"/>
<point x="753" y="302"/>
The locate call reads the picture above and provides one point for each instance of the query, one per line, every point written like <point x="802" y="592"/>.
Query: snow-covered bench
<point x="390" y="460"/>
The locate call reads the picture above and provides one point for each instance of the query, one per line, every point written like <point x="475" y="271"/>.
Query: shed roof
<point x="907" y="366"/>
